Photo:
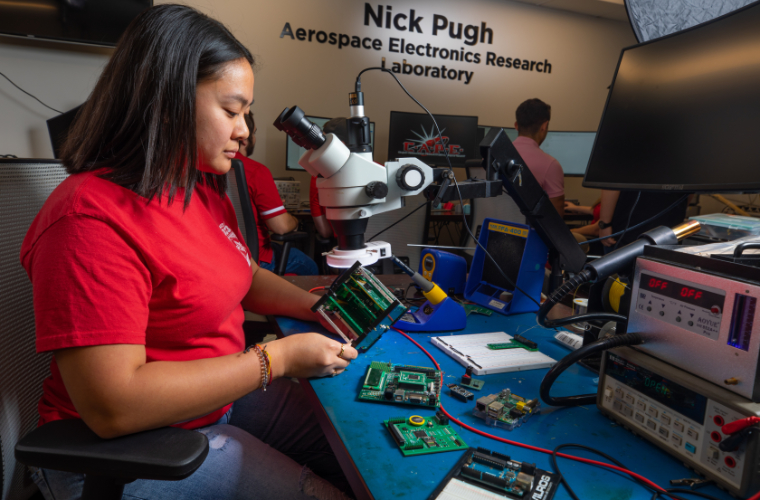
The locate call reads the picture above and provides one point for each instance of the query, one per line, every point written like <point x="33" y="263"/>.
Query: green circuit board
<point x="473" y="383"/>
<point x="435" y="435"/>
<point x="517" y="342"/>
<point x="505" y="409"/>
<point x="359" y="307"/>
<point x="391" y="383"/>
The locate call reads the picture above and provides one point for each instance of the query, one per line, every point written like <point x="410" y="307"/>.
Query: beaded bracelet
<point x="268" y="362"/>
<point x="265" y="365"/>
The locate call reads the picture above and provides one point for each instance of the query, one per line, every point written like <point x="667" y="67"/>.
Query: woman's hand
<point x="571" y="207"/>
<point x="309" y="355"/>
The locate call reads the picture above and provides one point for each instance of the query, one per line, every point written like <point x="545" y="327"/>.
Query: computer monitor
<point x="294" y="152"/>
<point x="683" y="113"/>
<point x="100" y="22"/>
<point x="58" y="129"/>
<point x="483" y="131"/>
<point x="571" y="149"/>
<point x="414" y="135"/>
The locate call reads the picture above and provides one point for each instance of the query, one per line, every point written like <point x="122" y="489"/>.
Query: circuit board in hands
<point x="505" y="409"/>
<point x="419" y="436"/>
<point x="362" y="306"/>
<point x="390" y="383"/>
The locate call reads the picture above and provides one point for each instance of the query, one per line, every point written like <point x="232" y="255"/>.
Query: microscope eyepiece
<point x="303" y="131"/>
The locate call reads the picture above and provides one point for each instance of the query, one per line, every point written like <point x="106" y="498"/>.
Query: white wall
<point x="582" y="50"/>
<point x="60" y="75"/>
<point x="317" y="77"/>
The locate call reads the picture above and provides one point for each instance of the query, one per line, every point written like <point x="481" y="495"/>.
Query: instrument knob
<point x="410" y="177"/>
<point x="376" y="189"/>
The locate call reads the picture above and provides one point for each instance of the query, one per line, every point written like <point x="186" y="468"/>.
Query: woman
<point x="139" y="272"/>
<point x="269" y="212"/>
<point x="590" y="230"/>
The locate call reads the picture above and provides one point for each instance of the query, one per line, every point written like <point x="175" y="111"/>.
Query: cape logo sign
<point x="431" y="145"/>
<point x="382" y="16"/>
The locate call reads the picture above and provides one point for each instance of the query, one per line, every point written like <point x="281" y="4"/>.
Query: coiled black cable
<point x="575" y="356"/>
<point x="570" y="285"/>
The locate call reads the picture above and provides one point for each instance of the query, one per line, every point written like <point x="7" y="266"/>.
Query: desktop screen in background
<point x="294" y="151"/>
<point x="571" y="149"/>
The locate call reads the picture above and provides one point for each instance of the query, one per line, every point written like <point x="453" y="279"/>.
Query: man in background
<point x="532" y="126"/>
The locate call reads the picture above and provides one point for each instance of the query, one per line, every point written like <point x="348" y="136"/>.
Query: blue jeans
<point x="270" y="446"/>
<point x="298" y="262"/>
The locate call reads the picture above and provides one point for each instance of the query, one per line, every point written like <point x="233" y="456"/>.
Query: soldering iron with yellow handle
<point x="439" y="313"/>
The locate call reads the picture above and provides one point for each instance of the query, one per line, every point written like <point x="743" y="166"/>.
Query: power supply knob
<point x="376" y="189"/>
<point x="410" y="177"/>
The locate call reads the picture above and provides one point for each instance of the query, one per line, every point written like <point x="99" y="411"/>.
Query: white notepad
<point x="472" y="350"/>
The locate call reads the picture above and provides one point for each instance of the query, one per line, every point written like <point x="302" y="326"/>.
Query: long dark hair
<point x="139" y="121"/>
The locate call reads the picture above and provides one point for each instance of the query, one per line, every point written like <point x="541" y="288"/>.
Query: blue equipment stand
<point x="521" y="254"/>
<point x="445" y="269"/>
<point x="447" y="315"/>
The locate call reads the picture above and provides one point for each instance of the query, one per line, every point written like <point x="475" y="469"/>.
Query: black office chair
<point x="67" y="445"/>
<point x="287" y="240"/>
<point x="237" y="189"/>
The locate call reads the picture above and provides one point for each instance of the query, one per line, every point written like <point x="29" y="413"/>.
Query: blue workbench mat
<point x="389" y="475"/>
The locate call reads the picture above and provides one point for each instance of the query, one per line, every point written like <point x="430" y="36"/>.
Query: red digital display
<point x="682" y="292"/>
<point x="690" y="293"/>
<point x="656" y="284"/>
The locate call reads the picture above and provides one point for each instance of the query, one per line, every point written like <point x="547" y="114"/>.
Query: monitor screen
<point x="294" y="152"/>
<point x="99" y="22"/>
<point x="683" y="113"/>
<point x="508" y="250"/>
<point x="58" y="128"/>
<point x="414" y="135"/>
<point x="571" y="149"/>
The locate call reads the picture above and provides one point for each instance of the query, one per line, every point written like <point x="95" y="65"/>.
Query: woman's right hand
<point x="608" y="242"/>
<point x="308" y="355"/>
<point x="571" y="207"/>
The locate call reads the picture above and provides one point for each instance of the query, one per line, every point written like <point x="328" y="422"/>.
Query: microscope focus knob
<point x="376" y="189"/>
<point x="410" y="177"/>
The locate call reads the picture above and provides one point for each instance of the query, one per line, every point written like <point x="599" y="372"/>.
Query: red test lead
<point x="739" y="425"/>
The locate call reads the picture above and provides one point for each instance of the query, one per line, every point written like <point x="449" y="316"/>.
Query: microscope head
<point x="352" y="187"/>
<point x="303" y="131"/>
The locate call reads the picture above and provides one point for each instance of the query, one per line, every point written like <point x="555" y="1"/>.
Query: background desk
<point x="440" y="220"/>
<point x="377" y="469"/>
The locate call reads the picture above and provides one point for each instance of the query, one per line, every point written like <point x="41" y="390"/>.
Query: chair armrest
<point x="291" y="236"/>
<point x="167" y="454"/>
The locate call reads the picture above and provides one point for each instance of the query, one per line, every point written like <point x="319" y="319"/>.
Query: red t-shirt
<point x="109" y="268"/>
<point x="316" y="208"/>
<point x="265" y="199"/>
